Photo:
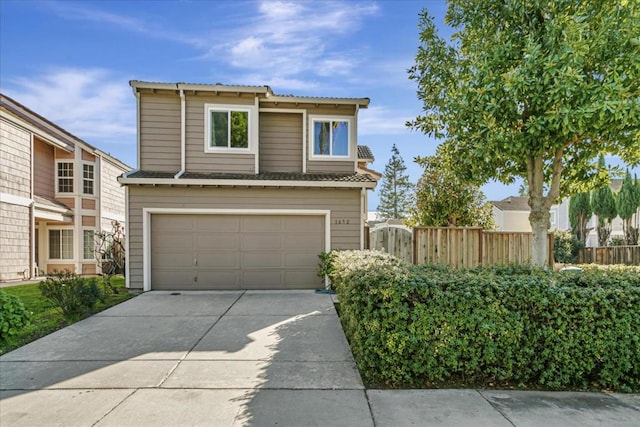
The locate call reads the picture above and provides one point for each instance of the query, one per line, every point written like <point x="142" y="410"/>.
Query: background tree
<point x="396" y="189"/>
<point x="603" y="202"/>
<point x="580" y="213"/>
<point x="443" y="200"/>
<point x="627" y="203"/>
<point x="533" y="89"/>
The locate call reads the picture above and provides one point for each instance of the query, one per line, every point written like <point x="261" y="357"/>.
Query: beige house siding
<point x="331" y="166"/>
<point x="44" y="169"/>
<point x="196" y="159"/>
<point x="515" y="221"/>
<point x="343" y="204"/>
<point x="160" y="132"/>
<point x="112" y="194"/>
<point x="15" y="163"/>
<point x="280" y="148"/>
<point x="14" y="241"/>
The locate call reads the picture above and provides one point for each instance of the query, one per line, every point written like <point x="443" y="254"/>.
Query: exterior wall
<point x="15" y="188"/>
<point x="516" y="221"/>
<point x="196" y="160"/>
<point x="44" y="178"/>
<point x="280" y="148"/>
<point x="343" y="204"/>
<point x="112" y="195"/>
<point x="333" y="166"/>
<point x="159" y="132"/>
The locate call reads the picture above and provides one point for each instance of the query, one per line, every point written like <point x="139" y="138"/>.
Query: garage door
<point x="235" y="251"/>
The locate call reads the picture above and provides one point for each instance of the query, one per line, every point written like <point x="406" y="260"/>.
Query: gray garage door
<point x="235" y="251"/>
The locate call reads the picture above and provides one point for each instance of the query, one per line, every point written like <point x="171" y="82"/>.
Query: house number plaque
<point x="341" y="221"/>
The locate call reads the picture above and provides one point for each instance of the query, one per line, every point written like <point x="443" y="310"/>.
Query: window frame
<point x="93" y="241"/>
<point x="313" y="119"/>
<point x="58" y="177"/>
<point x="60" y="230"/>
<point x="92" y="179"/>
<point x="228" y="108"/>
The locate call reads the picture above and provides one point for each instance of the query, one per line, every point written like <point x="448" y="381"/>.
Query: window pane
<point x="87" y="171"/>
<point x="54" y="244"/>
<point x="219" y="129"/>
<point x="88" y="244"/>
<point x="87" y="187"/>
<point x="340" y="138"/>
<point x="239" y="129"/>
<point x="321" y="137"/>
<point x="67" y="244"/>
<point x="65" y="177"/>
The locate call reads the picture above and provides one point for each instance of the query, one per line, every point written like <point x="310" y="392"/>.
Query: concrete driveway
<point x="245" y="358"/>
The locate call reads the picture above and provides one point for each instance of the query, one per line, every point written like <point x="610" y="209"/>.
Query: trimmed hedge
<point x="426" y="326"/>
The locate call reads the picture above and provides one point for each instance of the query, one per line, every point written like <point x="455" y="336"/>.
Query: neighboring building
<point x="512" y="214"/>
<point x="241" y="188"/>
<point x="55" y="191"/>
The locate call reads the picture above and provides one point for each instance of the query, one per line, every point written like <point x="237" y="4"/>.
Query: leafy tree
<point x="580" y="213"/>
<point x="395" y="191"/>
<point x="110" y="253"/>
<point x="627" y="203"/>
<point x="603" y="202"/>
<point x="442" y="199"/>
<point x="523" y="190"/>
<point x="533" y="89"/>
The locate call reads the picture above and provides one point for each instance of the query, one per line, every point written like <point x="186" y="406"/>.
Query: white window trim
<point x="94" y="244"/>
<point x="73" y="177"/>
<point x="350" y="142"/>
<point x="146" y="227"/>
<point x="73" y="246"/>
<point x="92" y="179"/>
<point x="553" y="217"/>
<point x="251" y="131"/>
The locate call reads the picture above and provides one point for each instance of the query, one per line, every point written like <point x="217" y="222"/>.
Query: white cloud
<point x="382" y="121"/>
<point x="92" y="104"/>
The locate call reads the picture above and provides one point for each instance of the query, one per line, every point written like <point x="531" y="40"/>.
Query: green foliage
<point x="443" y="199"/>
<point x="627" y="204"/>
<point x="565" y="247"/>
<point x="13" y="315"/>
<point x="325" y="265"/>
<point x="603" y="202"/>
<point x="510" y="325"/>
<point x="533" y="89"/>
<point x="395" y="188"/>
<point x="579" y="215"/>
<point x="75" y="296"/>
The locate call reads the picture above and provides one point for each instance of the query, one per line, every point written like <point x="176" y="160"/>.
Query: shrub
<point x="565" y="247"/>
<point x="74" y="295"/>
<point x="431" y="325"/>
<point x="13" y="315"/>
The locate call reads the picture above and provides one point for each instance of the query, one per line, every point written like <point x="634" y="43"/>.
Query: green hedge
<point x="427" y="326"/>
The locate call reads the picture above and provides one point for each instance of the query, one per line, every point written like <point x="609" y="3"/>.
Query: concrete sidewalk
<point x="246" y="358"/>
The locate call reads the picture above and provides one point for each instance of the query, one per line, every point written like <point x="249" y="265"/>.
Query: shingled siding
<point x="15" y="180"/>
<point x="343" y="204"/>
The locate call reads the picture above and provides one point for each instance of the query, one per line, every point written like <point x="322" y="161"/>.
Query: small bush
<point x="13" y="315"/>
<point x="74" y="295"/>
<point x="565" y="247"/>
<point x="435" y="326"/>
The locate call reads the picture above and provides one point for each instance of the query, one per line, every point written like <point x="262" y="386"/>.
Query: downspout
<point x="137" y="95"/>
<point x="363" y="210"/>
<point x="183" y="134"/>
<point x="32" y="219"/>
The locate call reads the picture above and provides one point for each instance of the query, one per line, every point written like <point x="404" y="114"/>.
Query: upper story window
<point x="87" y="178"/>
<point x="228" y="128"/>
<point x="65" y="177"/>
<point x="330" y="136"/>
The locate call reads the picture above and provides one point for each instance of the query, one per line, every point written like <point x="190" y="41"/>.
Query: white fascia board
<point x="69" y="147"/>
<point x="360" y="102"/>
<point x="243" y="183"/>
<point x="15" y="200"/>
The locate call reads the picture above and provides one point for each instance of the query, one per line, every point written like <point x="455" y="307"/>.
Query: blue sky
<point x="71" y="61"/>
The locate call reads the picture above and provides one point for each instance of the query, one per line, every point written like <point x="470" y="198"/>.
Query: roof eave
<point x="243" y="183"/>
<point x="360" y="102"/>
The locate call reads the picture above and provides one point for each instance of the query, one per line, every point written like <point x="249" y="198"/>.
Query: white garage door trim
<point x="146" y="227"/>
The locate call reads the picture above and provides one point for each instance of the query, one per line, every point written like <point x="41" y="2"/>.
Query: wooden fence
<point x="455" y="246"/>
<point x="629" y="255"/>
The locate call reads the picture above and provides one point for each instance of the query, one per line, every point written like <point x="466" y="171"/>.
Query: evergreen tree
<point x="627" y="203"/>
<point x="579" y="214"/>
<point x="396" y="189"/>
<point x="603" y="202"/>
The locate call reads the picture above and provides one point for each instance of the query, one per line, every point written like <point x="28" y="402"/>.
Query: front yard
<point x="46" y="317"/>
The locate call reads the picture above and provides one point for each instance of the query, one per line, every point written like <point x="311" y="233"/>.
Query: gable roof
<point x="512" y="203"/>
<point x="264" y="92"/>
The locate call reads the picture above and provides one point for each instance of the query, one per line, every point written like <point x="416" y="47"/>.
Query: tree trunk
<point x="540" y="223"/>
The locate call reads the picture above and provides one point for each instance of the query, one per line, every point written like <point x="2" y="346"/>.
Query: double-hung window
<point x="227" y="128"/>
<point x="330" y="137"/>
<point x="60" y="244"/>
<point x="88" y="244"/>
<point x="87" y="178"/>
<point x="65" y="177"/>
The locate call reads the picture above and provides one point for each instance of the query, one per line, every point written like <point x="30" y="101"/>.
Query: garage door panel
<point x="221" y="223"/>
<point x="219" y="259"/>
<point x="293" y="260"/>
<point x="304" y="224"/>
<point x="170" y="241"/>
<point x="172" y="279"/>
<point x="261" y="223"/>
<point x="226" y="241"/>
<point x="303" y="241"/>
<point x="262" y="241"/>
<point x="302" y="279"/>
<point x="261" y="260"/>
<point x="262" y="279"/>
<point x="172" y="222"/>
<point x="218" y="279"/>
<point x="173" y="260"/>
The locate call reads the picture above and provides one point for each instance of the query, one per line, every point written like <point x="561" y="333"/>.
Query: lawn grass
<point x="46" y="317"/>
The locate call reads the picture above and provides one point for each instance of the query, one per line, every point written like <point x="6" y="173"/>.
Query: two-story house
<point x="240" y="188"/>
<point x="55" y="192"/>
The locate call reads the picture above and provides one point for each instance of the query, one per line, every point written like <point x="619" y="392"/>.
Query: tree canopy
<point x="533" y="89"/>
<point x="396" y="189"/>
<point x="627" y="204"/>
